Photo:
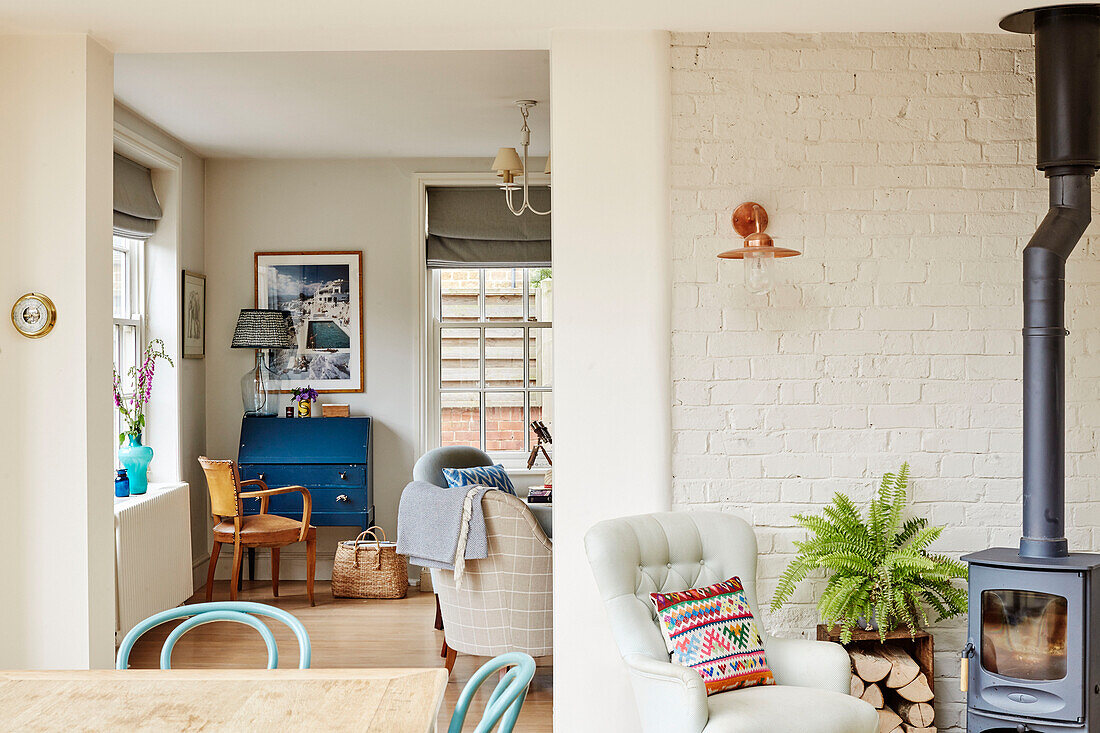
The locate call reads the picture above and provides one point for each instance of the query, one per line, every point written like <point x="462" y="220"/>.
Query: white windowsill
<point x="154" y="489"/>
<point x="523" y="470"/>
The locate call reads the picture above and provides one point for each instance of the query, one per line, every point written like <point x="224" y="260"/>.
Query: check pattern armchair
<point x="504" y="602"/>
<point x="634" y="556"/>
<point x="255" y="530"/>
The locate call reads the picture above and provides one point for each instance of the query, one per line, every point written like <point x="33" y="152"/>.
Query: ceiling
<point x="369" y="104"/>
<point x="141" y="26"/>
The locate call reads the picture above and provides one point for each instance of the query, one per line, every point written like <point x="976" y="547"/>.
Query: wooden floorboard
<point x="344" y="633"/>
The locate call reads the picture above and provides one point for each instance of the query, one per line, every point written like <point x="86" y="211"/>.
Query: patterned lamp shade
<point x="260" y="328"/>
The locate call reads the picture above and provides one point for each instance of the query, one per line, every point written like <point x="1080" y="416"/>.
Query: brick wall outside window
<point x="505" y="427"/>
<point x="903" y="167"/>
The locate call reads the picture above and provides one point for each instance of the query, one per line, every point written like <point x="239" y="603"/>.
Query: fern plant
<point x="878" y="566"/>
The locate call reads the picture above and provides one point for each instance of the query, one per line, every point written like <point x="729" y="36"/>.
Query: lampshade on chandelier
<point x="509" y="166"/>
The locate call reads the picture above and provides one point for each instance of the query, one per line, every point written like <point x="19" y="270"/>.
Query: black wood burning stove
<point x="1035" y="642"/>
<point x="1034" y="629"/>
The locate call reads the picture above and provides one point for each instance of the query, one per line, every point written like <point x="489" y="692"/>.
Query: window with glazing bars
<point x="129" y="317"/>
<point x="493" y="346"/>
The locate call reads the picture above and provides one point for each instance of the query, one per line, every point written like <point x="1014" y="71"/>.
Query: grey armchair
<point x="635" y="556"/>
<point x="506" y="601"/>
<point x="429" y="467"/>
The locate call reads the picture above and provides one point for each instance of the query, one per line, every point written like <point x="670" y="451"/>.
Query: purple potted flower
<point x="305" y="397"/>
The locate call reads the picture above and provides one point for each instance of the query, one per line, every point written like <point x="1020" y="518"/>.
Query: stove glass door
<point x="1023" y="634"/>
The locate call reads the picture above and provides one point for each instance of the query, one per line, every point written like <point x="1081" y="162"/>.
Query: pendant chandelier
<point x="508" y="166"/>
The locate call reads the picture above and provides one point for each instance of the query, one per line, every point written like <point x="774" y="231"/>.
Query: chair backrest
<point x="429" y="467"/>
<point x="224" y="484"/>
<point x="507" y="698"/>
<point x="632" y="557"/>
<point x="204" y="613"/>
<point x="505" y="601"/>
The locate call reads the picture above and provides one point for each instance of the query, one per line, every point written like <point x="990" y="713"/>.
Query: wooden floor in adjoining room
<point x="344" y="633"/>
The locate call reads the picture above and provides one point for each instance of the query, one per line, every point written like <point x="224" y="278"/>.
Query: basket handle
<point x="377" y="545"/>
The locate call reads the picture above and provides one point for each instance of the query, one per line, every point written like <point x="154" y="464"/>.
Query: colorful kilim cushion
<point x="712" y="631"/>
<point x="493" y="476"/>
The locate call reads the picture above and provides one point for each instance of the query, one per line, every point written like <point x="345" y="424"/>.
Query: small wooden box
<point x="335" y="411"/>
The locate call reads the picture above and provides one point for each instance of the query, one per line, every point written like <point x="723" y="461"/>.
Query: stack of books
<point x="536" y="495"/>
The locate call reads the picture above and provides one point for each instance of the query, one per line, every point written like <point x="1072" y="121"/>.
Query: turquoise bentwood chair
<point x="507" y="698"/>
<point x="204" y="613"/>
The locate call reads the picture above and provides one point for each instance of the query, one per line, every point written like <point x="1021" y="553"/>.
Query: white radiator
<point x="152" y="553"/>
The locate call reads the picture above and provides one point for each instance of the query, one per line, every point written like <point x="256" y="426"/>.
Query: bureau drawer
<point x="310" y="476"/>
<point x="324" y="501"/>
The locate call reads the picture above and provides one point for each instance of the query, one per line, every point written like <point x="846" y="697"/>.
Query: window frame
<point x="427" y="392"/>
<point x="508" y="458"/>
<point x="134" y="251"/>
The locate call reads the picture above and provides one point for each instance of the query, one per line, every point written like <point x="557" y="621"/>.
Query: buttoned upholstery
<point x="634" y="556"/>
<point x="224" y="484"/>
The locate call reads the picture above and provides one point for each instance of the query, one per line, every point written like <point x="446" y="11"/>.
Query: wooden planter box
<point x="920" y="648"/>
<point x="889" y="700"/>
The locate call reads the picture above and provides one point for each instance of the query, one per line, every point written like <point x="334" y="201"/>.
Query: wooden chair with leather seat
<point x="254" y="530"/>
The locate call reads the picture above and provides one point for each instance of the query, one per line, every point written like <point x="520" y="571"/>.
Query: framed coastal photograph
<point x="324" y="293"/>
<point x="193" y="307"/>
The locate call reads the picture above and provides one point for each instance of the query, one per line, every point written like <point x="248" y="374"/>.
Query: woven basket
<point x="369" y="569"/>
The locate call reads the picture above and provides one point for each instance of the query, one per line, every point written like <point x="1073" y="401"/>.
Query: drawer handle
<point x="263" y="476"/>
<point x="343" y="498"/>
<point x="344" y="475"/>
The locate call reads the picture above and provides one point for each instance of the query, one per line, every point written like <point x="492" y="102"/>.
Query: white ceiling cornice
<point x="141" y="26"/>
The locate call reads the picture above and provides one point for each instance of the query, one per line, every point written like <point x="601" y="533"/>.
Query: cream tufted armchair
<point x="632" y="557"/>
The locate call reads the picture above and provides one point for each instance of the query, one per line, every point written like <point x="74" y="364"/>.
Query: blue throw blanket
<point x="430" y="520"/>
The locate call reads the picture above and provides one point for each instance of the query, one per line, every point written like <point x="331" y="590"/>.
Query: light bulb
<point x="758" y="272"/>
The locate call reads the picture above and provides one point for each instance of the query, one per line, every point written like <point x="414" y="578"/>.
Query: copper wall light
<point x="750" y="220"/>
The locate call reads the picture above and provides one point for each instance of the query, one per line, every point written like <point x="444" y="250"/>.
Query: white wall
<point x="55" y="233"/>
<point x="611" y="370"/>
<point x="368" y="205"/>
<point x="903" y="167"/>
<point x="184" y="218"/>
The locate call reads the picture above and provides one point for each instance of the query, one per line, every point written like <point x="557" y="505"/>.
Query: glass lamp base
<point x="259" y="390"/>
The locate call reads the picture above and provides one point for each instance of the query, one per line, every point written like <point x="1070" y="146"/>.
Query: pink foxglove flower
<point x="132" y="407"/>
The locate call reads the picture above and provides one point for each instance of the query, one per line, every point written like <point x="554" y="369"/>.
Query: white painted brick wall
<point x="903" y="167"/>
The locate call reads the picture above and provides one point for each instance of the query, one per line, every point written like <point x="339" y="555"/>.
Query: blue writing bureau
<point x="330" y="456"/>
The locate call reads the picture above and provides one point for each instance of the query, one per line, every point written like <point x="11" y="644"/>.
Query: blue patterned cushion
<point x="494" y="476"/>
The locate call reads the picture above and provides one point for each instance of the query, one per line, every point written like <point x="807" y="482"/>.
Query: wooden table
<point x="380" y="700"/>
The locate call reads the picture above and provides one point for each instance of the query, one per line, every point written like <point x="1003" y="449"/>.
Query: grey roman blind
<point x="472" y="227"/>
<point x="136" y="207"/>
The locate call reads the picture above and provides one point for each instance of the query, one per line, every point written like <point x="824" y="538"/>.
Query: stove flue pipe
<point x="1045" y="364"/>
<point x="1067" y="99"/>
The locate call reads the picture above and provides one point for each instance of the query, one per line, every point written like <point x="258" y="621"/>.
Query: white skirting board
<point x="152" y="553"/>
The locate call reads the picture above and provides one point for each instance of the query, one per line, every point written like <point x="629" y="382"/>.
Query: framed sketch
<point x="193" y="307"/>
<point x="324" y="293"/>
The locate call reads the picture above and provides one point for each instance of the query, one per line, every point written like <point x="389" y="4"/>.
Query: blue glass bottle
<point x="122" y="483"/>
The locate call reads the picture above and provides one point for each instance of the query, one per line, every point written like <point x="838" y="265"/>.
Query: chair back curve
<point x="224" y="483"/>
<point x="506" y="600"/>
<point x="429" y="467"/>
<point x="632" y="557"/>
<point x="197" y="614"/>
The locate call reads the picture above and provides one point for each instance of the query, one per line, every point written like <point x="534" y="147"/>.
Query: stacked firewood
<point x="891" y="680"/>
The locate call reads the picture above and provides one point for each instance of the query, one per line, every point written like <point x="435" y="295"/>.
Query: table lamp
<point x="262" y="329"/>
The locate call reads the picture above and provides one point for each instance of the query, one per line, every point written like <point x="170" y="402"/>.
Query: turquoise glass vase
<point x="136" y="458"/>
